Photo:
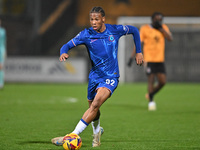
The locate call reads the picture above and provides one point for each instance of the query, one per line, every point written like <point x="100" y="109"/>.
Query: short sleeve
<point x="142" y="34"/>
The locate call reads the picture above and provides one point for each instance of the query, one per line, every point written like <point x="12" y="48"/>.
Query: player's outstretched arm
<point x="136" y="37"/>
<point x="63" y="57"/>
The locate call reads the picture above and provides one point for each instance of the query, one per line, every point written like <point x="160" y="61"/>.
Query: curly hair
<point x="98" y="10"/>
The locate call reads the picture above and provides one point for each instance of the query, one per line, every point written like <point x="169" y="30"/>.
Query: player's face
<point x="97" y="22"/>
<point x="157" y="18"/>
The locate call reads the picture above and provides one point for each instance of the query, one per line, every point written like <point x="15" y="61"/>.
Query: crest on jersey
<point x="111" y="38"/>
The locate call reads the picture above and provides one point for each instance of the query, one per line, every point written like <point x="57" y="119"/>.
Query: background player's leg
<point x="161" y="82"/>
<point x="151" y="79"/>
<point x="152" y="104"/>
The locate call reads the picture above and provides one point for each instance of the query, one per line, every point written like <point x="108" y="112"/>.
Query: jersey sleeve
<point x="142" y="34"/>
<point x="128" y="29"/>
<point x="77" y="40"/>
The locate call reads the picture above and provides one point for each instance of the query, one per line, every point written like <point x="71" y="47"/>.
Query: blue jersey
<point x="103" y="48"/>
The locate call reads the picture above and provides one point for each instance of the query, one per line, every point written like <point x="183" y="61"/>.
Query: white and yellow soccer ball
<point x="72" y="141"/>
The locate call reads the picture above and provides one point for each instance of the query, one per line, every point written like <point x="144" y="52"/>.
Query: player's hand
<point x="130" y="62"/>
<point x="63" y="57"/>
<point x="157" y="25"/>
<point x="139" y="59"/>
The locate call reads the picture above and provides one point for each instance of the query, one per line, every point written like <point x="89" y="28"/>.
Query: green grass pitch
<point x="32" y="114"/>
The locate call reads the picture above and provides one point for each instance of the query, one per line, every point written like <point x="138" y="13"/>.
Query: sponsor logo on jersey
<point x="93" y="40"/>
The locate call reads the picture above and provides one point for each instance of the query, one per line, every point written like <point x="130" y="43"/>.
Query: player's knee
<point x="162" y="83"/>
<point x="95" y="105"/>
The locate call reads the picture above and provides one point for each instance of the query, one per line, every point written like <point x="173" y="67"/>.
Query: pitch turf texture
<point x="32" y="114"/>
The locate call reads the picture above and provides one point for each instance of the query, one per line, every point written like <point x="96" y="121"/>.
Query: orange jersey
<point x="154" y="43"/>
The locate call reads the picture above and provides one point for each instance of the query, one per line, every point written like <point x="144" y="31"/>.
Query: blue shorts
<point x="94" y="84"/>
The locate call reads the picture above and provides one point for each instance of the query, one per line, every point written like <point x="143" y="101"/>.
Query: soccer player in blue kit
<point x="101" y="41"/>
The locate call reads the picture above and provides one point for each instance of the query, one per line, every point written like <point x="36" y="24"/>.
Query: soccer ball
<point x="72" y="142"/>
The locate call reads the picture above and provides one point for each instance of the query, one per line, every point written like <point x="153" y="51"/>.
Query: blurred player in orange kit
<point x="153" y="39"/>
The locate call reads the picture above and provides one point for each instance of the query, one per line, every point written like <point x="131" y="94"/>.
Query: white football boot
<point x="96" y="138"/>
<point x="57" y="140"/>
<point x="152" y="106"/>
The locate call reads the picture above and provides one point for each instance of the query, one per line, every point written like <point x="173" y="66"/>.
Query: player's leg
<point x="149" y="96"/>
<point x="97" y="129"/>
<point x="79" y="127"/>
<point x="93" y="113"/>
<point x="151" y="80"/>
<point x="161" y="82"/>
<point x="102" y="95"/>
<point x="160" y="72"/>
<point x="96" y="122"/>
<point x="150" y="71"/>
<point x="149" y="68"/>
<point x="104" y="91"/>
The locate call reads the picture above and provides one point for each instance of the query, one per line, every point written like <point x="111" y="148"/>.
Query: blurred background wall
<point x="41" y="27"/>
